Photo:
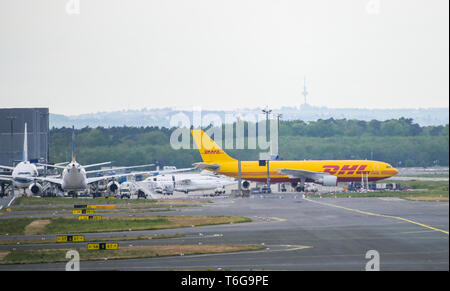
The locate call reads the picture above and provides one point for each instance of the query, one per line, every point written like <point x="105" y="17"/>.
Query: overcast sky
<point x="227" y="54"/>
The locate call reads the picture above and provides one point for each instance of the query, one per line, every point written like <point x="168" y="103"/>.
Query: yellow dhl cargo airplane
<point x="324" y="172"/>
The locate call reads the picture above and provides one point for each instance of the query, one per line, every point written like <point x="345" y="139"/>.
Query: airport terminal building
<point x="12" y="124"/>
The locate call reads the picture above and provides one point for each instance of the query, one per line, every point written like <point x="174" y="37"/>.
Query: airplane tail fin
<point x="25" y="145"/>
<point x="208" y="149"/>
<point x="73" y="143"/>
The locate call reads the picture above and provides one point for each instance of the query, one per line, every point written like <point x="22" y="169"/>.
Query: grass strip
<point x="409" y="195"/>
<point x="417" y="191"/>
<point x="58" y="255"/>
<point x="14" y="226"/>
<point x="72" y="201"/>
<point x="125" y="208"/>
<point x="65" y="225"/>
<point x="97" y="212"/>
<point x="111" y="224"/>
<point x="425" y="175"/>
<point x="22" y="201"/>
<point x="95" y="239"/>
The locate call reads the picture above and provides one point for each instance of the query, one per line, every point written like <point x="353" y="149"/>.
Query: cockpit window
<point x="389" y="167"/>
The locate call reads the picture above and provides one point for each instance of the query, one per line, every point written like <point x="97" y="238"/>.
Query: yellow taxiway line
<point x="379" y="215"/>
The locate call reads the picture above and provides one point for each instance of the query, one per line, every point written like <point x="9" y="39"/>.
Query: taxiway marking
<point x="379" y="215"/>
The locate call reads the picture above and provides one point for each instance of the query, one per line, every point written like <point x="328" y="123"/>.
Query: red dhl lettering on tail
<point x="212" y="152"/>
<point x="346" y="169"/>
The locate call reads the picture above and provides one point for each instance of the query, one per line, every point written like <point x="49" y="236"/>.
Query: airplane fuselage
<point x="74" y="178"/>
<point x="344" y="170"/>
<point x="23" y="174"/>
<point x="325" y="172"/>
<point x="190" y="182"/>
<point x="199" y="185"/>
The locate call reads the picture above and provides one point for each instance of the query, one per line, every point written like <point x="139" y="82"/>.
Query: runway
<point x="298" y="234"/>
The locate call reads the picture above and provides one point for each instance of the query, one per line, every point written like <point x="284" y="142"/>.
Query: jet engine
<point x="113" y="186"/>
<point x="294" y="185"/>
<point x="327" y="180"/>
<point x="35" y="188"/>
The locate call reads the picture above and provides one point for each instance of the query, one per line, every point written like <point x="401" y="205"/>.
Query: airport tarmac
<point x="6" y="201"/>
<point x="429" y="179"/>
<point x="298" y="233"/>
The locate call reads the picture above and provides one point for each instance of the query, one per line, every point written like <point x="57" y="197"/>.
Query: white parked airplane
<point x="74" y="176"/>
<point x="186" y="183"/>
<point x="23" y="173"/>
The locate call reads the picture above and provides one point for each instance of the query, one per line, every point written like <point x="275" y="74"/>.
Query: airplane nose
<point x="395" y="171"/>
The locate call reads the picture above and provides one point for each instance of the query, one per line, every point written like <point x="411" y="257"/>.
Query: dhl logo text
<point x="346" y="169"/>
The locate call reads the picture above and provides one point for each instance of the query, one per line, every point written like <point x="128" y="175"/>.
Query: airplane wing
<point x="6" y="167"/>
<point x="6" y="178"/>
<point x="62" y="163"/>
<point x="96" y="179"/>
<point x="118" y="169"/>
<point x="204" y="166"/>
<point x="301" y="173"/>
<point x="172" y="171"/>
<point x="51" y="166"/>
<point x="59" y="166"/>
<point x="51" y="180"/>
<point x="95" y="165"/>
<point x="43" y="179"/>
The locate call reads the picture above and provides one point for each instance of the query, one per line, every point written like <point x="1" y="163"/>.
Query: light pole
<point x="267" y="111"/>
<point x="279" y="116"/>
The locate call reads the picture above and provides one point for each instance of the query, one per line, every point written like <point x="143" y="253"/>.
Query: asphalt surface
<point x="412" y="178"/>
<point x="5" y="201"/>
<point x="299" y="234"/>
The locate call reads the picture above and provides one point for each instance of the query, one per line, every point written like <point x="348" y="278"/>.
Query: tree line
<point x="397" y="141"/>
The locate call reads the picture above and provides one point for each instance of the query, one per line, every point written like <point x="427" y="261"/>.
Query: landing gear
<point x="3" y="189"/>
<point x="73" y="194"/>
<point x="300" y="189"/>
<point x="141" y="194"/>
<point x="266" y="189"/>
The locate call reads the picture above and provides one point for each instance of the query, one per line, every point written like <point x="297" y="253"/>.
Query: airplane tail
<point x="25" y="145"/>
<point x="73" y="143"/>
<point x="208" y="149"/>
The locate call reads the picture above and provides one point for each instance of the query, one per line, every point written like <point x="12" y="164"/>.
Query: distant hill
<point x="161" y="117"/>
